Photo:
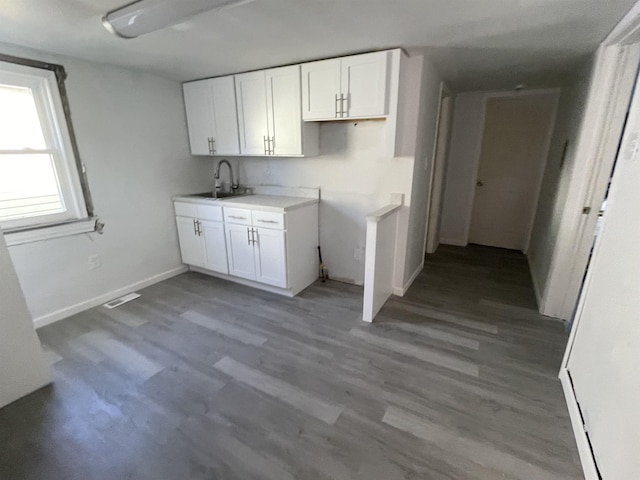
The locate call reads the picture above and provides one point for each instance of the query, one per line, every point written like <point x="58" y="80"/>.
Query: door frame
<point x="445" y="92"/>
<point x="613" y="78"/>
<point x="478" y="152"/>
<point x="609" y="95"/>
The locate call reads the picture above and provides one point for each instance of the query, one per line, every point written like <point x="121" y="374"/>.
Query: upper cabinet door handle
<point x="338" y="106"/>
<point x="344" y="105"/>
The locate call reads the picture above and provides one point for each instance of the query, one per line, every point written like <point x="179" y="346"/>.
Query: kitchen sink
<point x="218" y="195"/>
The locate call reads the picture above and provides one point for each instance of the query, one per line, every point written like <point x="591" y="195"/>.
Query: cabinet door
<point x="191" y="246"/>
<point x="215" y="246"/>
<point x="285" y="114"/>
<point x="320" y="88"/>
<point x="199" y="109"/>
<point x="225" y="116"/>
<point x="271" y="258"/>
<point x="364" y="85"/>
<point x="252" y="112"/>
<point x="240" y="252"/>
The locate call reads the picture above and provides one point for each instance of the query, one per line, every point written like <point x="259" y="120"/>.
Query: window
<point x="40" y="184"/>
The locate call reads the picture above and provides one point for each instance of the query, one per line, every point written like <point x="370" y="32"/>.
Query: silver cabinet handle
<point x="272" y="145"/>
<point x="265" y="142"/>
<point x="198" y="223"/>
<point x="211" y="148"/>
<point x="344" y="105"/>
<point x="268" y="221"/>
<point x="248" y="237"/>
<point x="235" y="217"/>
<point x="213" y="145"/>
<point x="195" y="229"/>
<point x="253" y="238"/>
<point x="338" y="107"/>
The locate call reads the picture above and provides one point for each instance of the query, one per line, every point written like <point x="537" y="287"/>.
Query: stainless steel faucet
<point x="216" y="175"/>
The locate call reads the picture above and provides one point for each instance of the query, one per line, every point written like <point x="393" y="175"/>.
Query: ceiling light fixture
<point x="144" y="16"/>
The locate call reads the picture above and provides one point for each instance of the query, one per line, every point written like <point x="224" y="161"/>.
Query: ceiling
<point x="475" y="43"/>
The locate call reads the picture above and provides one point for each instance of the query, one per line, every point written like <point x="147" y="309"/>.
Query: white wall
<point x="131" y="133"/>
<point x="355" y="178"/>
<point x="464" y="151"/>
<point x="557" y="177"/>
<point x="424" y="154"/>
<point x="23" y="367"/>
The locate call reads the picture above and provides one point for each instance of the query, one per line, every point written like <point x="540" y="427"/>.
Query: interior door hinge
<point x="586" y="210"/>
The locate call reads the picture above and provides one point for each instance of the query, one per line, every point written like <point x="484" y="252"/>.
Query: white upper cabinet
<point x="364" y="85"/>
<point x="270" y="114"/>
<point x="349" y="87"/>
<point x="321" y="87"/>
<point x="284" y="111"/>
<point x="252" y="113"/>
<point x="225" y="138"/>
<point x="212" y="116"/>
<point x="197" y="101"/>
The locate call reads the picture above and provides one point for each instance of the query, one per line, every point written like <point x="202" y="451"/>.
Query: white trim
<point x="100" y="299"/>
<point x="596" y="147"/>
<point x="625" y="32"/>
<point x="534" y="282"/>
<point x="584" y="449"/>
<point x="458" y="242"/>
<point x="478" y="153"/>
<point x="49" y="232"/>
<point x="400" y="291"/>
<point x="48" y="101"/>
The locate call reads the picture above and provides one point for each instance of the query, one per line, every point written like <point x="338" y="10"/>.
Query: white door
<point x="271" y="258"/>
<point x="364" y="85"/>
<point x="199" y="110"/>
<point x="604" y="359"/>
<point x="321" y="90"/>
<point x="512" y="159"/>
<point x="215" y="246"/>
<point x="226" y="140"/>
<point x="252" y="113"/>
<point x="240" y="251"/>
<point x="285" y="114"/>
<point x="191" y="245"/>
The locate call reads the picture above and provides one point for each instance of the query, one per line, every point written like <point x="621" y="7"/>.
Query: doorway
<point x="517" y="133"/>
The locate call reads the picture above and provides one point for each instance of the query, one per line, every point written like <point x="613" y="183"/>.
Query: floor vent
<point x="122" y="300"/>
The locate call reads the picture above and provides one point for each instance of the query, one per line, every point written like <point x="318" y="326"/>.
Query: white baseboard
<point x="536" y="286"/>
<point x="400" y="291"/>
<point x="99" y="300"/>
<point x="453" y="241"/>
<point x="584" y="449"/>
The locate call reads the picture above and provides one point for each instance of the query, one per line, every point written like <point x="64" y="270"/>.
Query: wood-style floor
<point x="205" y="379"/>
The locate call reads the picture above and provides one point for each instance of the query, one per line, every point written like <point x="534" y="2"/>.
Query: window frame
<point x="47" y="84"/>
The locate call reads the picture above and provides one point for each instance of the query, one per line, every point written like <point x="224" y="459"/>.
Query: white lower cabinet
<point x="190" y="242"/>
<point x="241" y="251"/>
<point x="215" y="250"/>
<point x="202" y="242"/>
<point x="264" y="248"/>
<point x="270" y="257"/>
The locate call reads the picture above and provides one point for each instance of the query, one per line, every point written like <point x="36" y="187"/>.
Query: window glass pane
<point x="19" y="122"/>
<point x="28" y="186"/>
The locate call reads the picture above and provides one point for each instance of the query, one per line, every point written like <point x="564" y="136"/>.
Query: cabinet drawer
<point x="268" y="220"/>
<point x="184" y="209"/>
<point x="210" y="212"/>
<point x="239" y="216"/>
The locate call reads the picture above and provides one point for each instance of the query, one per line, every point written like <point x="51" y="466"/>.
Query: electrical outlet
<point x="94" y="261"/>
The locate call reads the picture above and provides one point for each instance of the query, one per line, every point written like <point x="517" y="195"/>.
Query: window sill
<point x="19" y="237"/>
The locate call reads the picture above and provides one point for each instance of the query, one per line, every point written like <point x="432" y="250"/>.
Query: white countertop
<point x="266" y="203"/>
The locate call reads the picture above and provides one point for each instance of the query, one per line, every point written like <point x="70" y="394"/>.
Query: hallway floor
<point x="205" y="379"/>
